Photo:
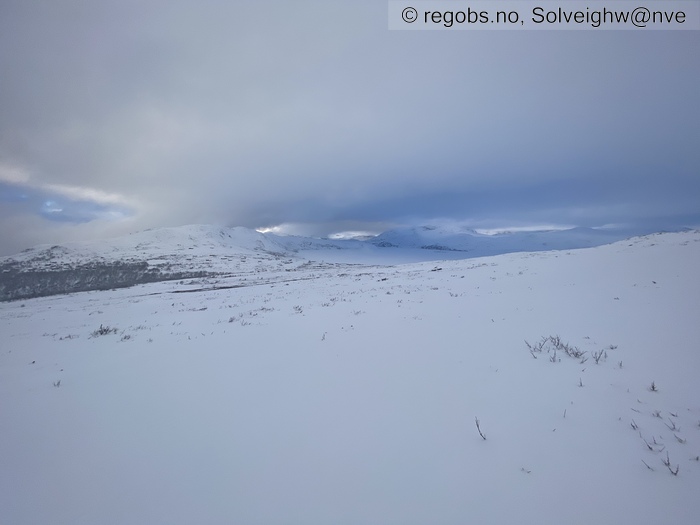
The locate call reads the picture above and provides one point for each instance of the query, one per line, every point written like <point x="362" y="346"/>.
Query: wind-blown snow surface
<point x="348" y="395"/>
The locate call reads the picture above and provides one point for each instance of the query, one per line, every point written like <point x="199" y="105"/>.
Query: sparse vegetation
<point x="103" y="330"/>
<point x="667" y="462"/>
<point x="478" y="427"/>
<point x="672" y="427"/>
<point x="597" y="356"/>
<point x="553" y="344"/>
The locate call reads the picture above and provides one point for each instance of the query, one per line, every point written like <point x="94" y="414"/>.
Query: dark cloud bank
<point x="120" y="116"/>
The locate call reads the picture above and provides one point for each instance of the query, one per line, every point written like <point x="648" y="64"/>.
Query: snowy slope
<point x="349" y="395"/>
<point x="209" y="251"/>
<point x="475" y="244"/>
<point x="149" y="256"/>
<point x="176" y="245"/>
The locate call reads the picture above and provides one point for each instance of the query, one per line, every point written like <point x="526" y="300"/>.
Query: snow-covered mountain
<point x="180" y="245"/>
<point x="475" y="244"/>
<point x="316" y="394"/>
<point x="200" y="251"/>
<point x="149" y="256"/>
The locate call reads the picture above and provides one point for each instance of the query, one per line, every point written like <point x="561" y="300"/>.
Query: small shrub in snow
<point x="103" y="330"/>
<point x="597" y="356"/>
<point x="57" y="383"/>
<point x="553" y="344"/>
<point x="574" y="351"/>
<point x="652" y="387"/>
<point x="536" y="348"/>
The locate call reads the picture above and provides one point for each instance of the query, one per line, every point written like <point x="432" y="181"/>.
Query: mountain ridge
<point x="200" y="251"/>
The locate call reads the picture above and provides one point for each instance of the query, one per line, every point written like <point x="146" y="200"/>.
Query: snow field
<point x="349" y="395"/>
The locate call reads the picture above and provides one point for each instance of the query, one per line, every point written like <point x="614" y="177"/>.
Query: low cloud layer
<point x="119" y="116"/>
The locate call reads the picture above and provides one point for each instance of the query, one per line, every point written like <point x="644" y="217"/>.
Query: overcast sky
<point x="117" y="116"/>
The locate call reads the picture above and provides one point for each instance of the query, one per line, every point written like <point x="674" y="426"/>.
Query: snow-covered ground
<point x="304" y="393"/>
<point x="187" y="252"/>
